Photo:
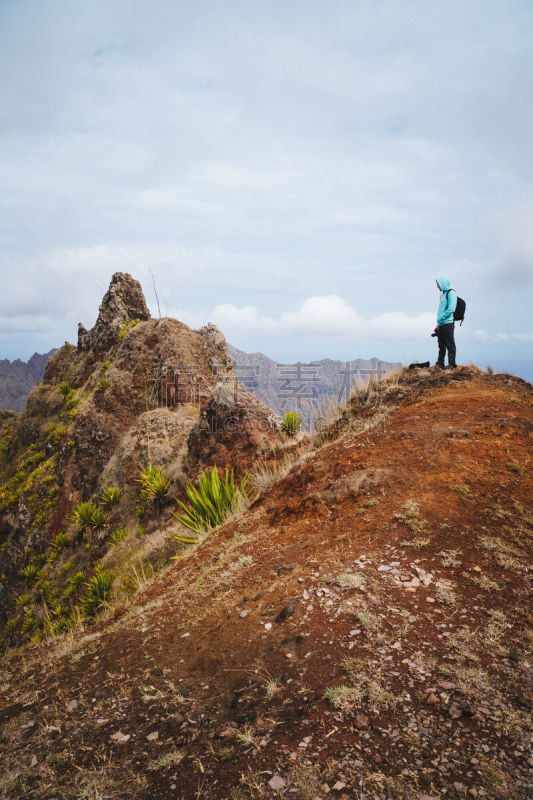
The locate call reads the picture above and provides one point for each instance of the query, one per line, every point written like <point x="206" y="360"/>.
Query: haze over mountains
<point x="17" y="379"/>
<point x="309" y="388"/>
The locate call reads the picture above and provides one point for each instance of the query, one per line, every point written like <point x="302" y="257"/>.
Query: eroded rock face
<point x="234" y="430"/>
<point x="123" y="303"/>
<point x="215" y="344"/>
<point x="135" y="392"/>
<point x="130" y="394"/>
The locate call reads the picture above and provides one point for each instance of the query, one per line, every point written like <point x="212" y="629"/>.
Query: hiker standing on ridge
<point x="444" y="330"/>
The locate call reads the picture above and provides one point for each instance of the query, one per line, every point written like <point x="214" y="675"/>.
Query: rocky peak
<point x="215" y="343"/>
<point x="123" y="302"/>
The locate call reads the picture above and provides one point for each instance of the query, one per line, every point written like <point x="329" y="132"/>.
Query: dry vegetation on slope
<point x="362" y="631"/>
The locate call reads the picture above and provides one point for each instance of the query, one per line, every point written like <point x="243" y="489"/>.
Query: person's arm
<point x="448" y="307"/>
<point x="452" y="302"/>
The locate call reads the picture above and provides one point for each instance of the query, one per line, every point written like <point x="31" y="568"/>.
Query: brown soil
<point x="361" y="632"/>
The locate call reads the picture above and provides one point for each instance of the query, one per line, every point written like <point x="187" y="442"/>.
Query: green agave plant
<point x="110" y="496"/>
<point x="65" y="388"/>
<point x="98" y="593"/>
<point x="211" y="502"/>
<point x="118" y="535"/>
<point x="30" y="572"/>
<point x="292" y="422"/>
<point x="154" y="486"/>
<point x="87" y="515"/>
<point x="62" y="540"/>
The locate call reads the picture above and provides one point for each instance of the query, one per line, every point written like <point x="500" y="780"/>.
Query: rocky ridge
<point x="135" y="392"/>
<point x="363" y="630"/>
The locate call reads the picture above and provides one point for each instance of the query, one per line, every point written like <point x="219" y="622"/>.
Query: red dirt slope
<point x="362" y="632"/>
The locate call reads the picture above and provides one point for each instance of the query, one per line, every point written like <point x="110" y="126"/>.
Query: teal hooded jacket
<point x="447" y="303"/>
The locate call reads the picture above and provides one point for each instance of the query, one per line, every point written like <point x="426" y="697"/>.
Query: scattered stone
<point x="244" y="614"/>
<point x="268" y="626"/>
<point x="424" y="577"/>
<point x="121" y="738"/>
<point x="72" y="706"/>
<point x="447" y="686"/>
<point x="153" y="737"/>
<point x="276" y="783"/>
<point x="339" y="786"/>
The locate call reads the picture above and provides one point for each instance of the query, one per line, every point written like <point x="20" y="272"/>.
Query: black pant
<point x="446" y="342"/>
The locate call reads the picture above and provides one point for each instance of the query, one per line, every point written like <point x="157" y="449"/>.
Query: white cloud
<point x="320" y="316"/>
<point x="503" y="338"/>
<point x="399" y="325"/>
<point x="327" y="315"/>
<point x="25" y="323"/>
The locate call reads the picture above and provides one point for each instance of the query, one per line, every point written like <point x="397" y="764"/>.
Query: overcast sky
<point x="298" y="173"/>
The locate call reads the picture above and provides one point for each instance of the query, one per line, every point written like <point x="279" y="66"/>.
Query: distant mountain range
<point x="308" y="388"/>
<point x="304" y="387"/>
<point x="17" y="379"/>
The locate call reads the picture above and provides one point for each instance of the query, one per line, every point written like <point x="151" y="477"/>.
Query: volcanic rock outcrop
<point x="122" y="304"/>
<point x="135" y="392"/>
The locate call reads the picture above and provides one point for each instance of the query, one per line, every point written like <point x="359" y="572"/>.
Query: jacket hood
<point x="444" y="284"/>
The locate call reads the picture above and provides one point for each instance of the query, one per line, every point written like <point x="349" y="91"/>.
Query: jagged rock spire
<point x="123" y="301"/>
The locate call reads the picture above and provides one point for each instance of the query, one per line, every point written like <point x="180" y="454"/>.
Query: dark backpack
<point x="460" y="308"/>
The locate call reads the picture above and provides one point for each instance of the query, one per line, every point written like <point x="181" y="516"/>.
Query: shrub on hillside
<point x="153" y="488"/>
<point x="292" y="422"/>
<point x="211" y="502"/>
<point x="86" y="515"/>
<point x="98" y="593"/>
<point x="110" y="496"/>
